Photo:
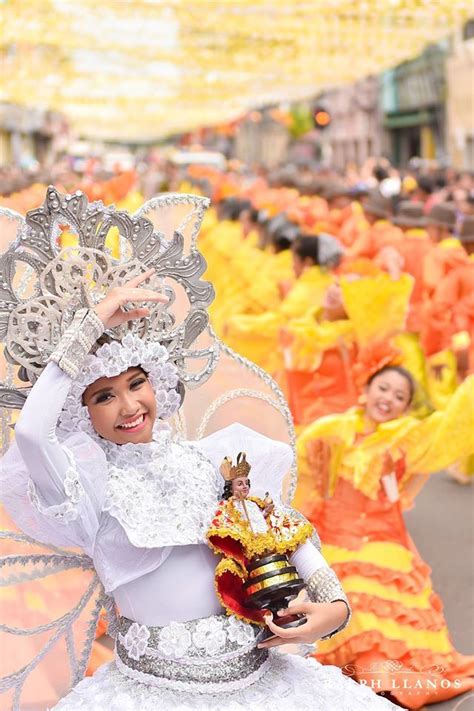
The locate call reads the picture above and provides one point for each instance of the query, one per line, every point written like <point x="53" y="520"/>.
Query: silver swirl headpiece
<point x="43" y="283"/>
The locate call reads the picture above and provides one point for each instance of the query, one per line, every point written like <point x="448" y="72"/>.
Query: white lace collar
<point x="163" y="493"/>
<point x="138" y="453"/>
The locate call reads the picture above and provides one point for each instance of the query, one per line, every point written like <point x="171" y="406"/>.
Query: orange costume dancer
<point x="321" y="352"/>
<point x="452" y="305"/>
<point x="341" y="209"/>
<point x="446" y="256"/>
<point x="357" y="470"/>
<point x="413" y="244"/>
<point x="352" y="225"/>
<point x="375" y="229"/>
<point x="448" y="253"/>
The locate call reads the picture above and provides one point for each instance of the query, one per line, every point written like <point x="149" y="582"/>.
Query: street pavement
<point x="442" y="527"/>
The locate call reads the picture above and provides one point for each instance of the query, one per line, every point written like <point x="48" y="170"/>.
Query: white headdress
<point x="112" y="359"/>
<point x="43" y="285"/>
<point x="58" y="281"/>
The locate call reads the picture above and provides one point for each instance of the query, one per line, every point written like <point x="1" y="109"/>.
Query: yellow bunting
<point x="141" y="69"/>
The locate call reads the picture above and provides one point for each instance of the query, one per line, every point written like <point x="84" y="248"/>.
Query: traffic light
<point x="321" y="117"/>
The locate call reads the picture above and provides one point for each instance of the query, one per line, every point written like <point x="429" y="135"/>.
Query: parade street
<point x="442" y="526"/>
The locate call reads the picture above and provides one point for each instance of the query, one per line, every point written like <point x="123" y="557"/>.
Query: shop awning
<point x="415" y="118"/>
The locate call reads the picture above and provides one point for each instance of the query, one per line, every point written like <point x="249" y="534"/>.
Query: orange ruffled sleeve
<point x="320" y="449"/>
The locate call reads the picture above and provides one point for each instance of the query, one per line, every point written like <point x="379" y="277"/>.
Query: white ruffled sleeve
<point x="53" y="490"/>
<point x="322" y="584"/>
<point x="270" y="459"/>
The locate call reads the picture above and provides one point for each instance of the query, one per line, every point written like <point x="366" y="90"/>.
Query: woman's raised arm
<point x="48" y="462"/>
<point x="35" y="434"/>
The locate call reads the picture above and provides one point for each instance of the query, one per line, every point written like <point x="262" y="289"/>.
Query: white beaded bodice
<point x="162" y="493"/>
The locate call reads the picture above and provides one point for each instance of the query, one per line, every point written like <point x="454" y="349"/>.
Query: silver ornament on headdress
<point x="43" y="285"/>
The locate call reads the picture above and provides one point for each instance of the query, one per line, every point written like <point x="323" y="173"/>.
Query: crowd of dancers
<point x="361" y="305"/>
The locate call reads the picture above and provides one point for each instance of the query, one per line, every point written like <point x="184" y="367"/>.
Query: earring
<point x="362" y="399"/>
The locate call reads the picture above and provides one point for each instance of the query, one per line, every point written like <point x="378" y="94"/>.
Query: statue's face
<point x="240" y="487"/>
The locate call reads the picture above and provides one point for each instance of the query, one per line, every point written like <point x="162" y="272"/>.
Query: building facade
<point x="413" y="102"/>
<point x="29" y="136"/>
<point x="460" y="100"/>
<point x="355" y="129"/>
<point x="261" y="140"/>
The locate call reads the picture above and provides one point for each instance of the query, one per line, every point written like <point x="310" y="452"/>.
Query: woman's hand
<point x="333" y="304"/>
<point x="110" y="309"/>
<point x="322" y="618"/>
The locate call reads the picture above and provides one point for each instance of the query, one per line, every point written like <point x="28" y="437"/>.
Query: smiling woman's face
<point x="123" y="408"/>
<point x="388" y="396"/>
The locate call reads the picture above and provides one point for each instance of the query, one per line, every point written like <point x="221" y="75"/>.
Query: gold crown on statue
<point x="241" y="468"/>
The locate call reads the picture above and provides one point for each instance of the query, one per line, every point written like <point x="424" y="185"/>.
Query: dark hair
<point x="401" y="371"/>
<point x="380" y="173"/>
<point x="236" y="207"/>
<point x="181" y="390"/>
<point x="228" y="208"/>
<point x="426" y="184"/>
<point x="227" y="493"/>
<point x="307" y="247"/>
<point x="280" y="243"/>
<point x="284" y="237"/>
<point x="440" y="180"/>
<point x="254" y="215"/>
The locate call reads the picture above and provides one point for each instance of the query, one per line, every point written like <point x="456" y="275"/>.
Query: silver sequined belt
<point x="208" y="655"/>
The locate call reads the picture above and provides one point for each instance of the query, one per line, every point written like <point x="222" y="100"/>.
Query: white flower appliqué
<point x="163" y="493"/>
<point x="136" y="641"/>
<point x="239" y="632"/>
<point x="67" y="511"/>
<point x="175" y="640"/>
<point x="210" y="636"/>
<point x="72" y="486"/>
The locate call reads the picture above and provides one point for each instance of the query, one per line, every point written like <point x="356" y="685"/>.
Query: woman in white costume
<point x="100" y="462"/>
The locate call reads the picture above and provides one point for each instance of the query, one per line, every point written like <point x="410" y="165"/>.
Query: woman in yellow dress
<point x="256" y="336"/>
<point x="358" y="470"/>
